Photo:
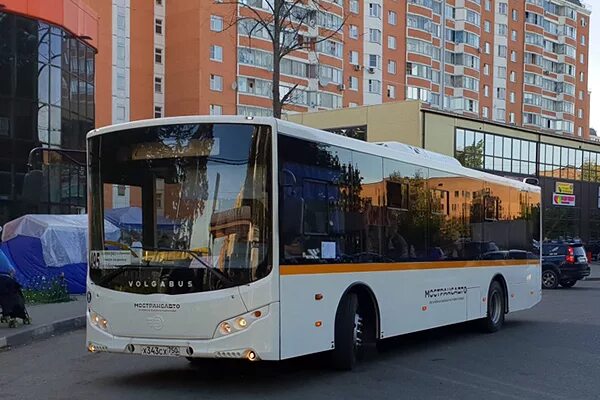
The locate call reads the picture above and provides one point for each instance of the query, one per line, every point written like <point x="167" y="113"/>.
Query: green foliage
<point x="43" y="290"/>
<point x="472" y="156"/>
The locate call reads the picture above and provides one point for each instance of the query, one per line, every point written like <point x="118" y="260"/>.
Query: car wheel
<point x="568" y="283"/>
<point x="494" y="318"/>
<point x="549" y="279"/>
<point x="348" y="333"/>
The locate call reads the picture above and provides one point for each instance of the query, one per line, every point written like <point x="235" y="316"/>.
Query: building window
<point x="121" y="52"/>
<point x="580" y="113"/>
<point x="512" y="97"/>
<point x="159" y="2"/>
<point x="512" y="118"/>
<point x="216" y="83"/>
<point x="392" y="18"/>
<point x="502" y="51"/>
<point x="216" y="23"/>
<point x="502" y="72"/>
<point x="391" y="68"/>
<point x="486" y="91"/>
<point x="513" y="35"/>
<point x="486" y="69"/>
<point x="487" y="26"/>
<point x="485" y="112"/>
<point x="121" y="113"/>
<point x="216" y="53"/>
<point x="216" y="109"/>
<point x="488" y="5"/>
<point x="157" y="84"/>
<point x="581" y="77"/>
<point x="374" y="86"/>
<point x="353" y="83"/>
<point x="579" y="131"/>
<point x="513" y="76"/>
<point x="354" y="57"/>
<point x="121" y="22"/>
<point x="158" y="112"/>
<point x="120" y="81"/>
<point x="374" y="36"/>
<point x="581" y="59"/>
<point x="391" y="91"/>
<point x="375" y="10"/>
<point x="392" y="42"/>
<point x="487" y="48"/>
<point x="515" y="15"/>
<point x="513" y="56"/>
<point x="353" y="31"/>
<point x="158" y="26"/>
<point x="501" y="93"/>
<point x="374" y="61"/>
<point x="581" y="95"/>
<point x="502" y="29"/>
<point x="583" y="40"/>
<point x="158" y="56"/>
<point x="503" y="8"/>
<point x="501" y="114"/>
<point x="354" y="6"/>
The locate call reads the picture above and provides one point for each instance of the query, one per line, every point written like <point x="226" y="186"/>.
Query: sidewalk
<point x="46" y="320"/>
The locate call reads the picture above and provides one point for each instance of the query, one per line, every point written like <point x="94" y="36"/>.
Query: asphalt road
<point x="549" y="352"/>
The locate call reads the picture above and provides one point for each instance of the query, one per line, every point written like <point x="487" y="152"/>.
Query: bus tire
<point x="348" y="333"/>
<point x="494" y="318"/>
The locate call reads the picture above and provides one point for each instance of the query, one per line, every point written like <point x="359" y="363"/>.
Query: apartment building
<point x="520" y="62"/>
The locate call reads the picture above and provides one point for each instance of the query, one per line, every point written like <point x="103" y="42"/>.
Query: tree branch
<point x="288" y="95"/>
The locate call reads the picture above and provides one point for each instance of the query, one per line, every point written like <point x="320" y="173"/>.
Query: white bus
<point x="259" y="239"/>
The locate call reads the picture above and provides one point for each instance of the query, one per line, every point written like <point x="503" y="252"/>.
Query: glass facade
<point x="552" y="164"/>
<point x="46" y="99"/>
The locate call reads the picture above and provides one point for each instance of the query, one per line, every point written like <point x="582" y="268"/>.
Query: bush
<point x="44" y="290"/>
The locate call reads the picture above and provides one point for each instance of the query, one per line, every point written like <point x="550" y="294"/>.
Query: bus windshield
<point x="191" y="203"/>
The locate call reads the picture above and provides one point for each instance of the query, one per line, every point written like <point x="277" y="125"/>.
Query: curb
<point x="42" y="332"/>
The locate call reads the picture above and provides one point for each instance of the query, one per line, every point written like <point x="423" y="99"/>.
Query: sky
<point x="594" y="65"/>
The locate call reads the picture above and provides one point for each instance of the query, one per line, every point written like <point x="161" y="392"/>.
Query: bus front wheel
<point x="494" y="318"/>
<point x="348" y="333"/>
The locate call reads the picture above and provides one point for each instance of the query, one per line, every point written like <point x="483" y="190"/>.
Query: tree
<point x="471" y="156"/>
<point x="287" y="24"/>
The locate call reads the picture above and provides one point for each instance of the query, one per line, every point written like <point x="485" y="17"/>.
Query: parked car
<point x="563" y="263"/>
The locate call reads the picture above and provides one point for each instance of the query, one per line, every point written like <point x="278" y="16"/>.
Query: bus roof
<point x="393" y="150"/>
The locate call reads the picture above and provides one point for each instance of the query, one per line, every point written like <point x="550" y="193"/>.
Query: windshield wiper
<point x="214" y="270"/>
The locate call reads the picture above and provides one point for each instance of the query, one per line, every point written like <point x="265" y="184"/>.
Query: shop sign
<point x="564" y="188"/>
<point x="567" y="200"/>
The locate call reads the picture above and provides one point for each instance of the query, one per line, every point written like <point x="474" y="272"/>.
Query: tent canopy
<point x="131" y="218"/>
<point x="63" y="237"/>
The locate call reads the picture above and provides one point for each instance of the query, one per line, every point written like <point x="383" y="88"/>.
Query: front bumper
<point x="262" y="338"/>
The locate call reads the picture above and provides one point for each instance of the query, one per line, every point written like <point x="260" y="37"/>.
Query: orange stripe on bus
<point x="309" y="269"/>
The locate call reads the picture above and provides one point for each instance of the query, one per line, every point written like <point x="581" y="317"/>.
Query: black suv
<point x="564" y="264"/>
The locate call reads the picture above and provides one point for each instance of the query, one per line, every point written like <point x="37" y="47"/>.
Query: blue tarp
<point x="47" y="246"/>
<point x="131" y="218"/>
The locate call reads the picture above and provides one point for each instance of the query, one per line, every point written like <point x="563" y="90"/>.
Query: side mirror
<point x="532" y="181"/>
<point x="32" y="187"/>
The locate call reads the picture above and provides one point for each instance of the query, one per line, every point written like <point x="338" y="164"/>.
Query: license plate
<point x="160" y="351"/>
<point x="582" y="259"/>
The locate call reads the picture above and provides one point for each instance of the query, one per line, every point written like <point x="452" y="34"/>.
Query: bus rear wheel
<point x="494" y="318"/>
<point x="348" y="333"/>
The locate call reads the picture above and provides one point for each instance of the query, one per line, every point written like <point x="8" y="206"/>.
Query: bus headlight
<point x="98" y="320"/>
<point x="240" y="322"/>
